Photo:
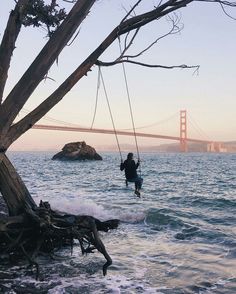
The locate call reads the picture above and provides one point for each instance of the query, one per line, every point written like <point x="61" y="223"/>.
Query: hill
<point x="230" y="147"/>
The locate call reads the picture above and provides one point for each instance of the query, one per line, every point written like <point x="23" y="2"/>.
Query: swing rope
<point x="97" y="92"/>
<point x="130" y="106"/>
<point x="112" y="119"/>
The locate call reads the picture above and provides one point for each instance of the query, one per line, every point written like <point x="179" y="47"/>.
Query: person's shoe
<point x="137" y="193"/>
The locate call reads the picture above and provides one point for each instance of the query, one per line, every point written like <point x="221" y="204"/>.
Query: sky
<point x="157" y="95"/>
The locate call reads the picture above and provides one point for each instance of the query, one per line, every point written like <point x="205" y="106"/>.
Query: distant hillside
<point x="174" y="147"/>
<point x="231" y="146"/>
<point x="192" y="147"/>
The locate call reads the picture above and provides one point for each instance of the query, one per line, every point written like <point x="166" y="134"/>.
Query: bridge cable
<point x="198" y="129"/>
<point x="109" y="107"/>
<point x="130" y="106"/>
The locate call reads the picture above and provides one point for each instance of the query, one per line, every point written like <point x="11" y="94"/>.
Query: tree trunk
<point x="21" y="92"/>
<point x="13" y="189"/>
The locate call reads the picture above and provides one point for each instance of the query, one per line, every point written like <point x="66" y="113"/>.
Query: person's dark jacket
<point x="130" y="168"/>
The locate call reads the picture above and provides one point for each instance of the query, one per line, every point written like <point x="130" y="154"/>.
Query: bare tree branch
<point x="174" y="30"/>
<point x="38" y="69"/>
<point x="150" y="16"/>
<point x="226" y="13"/>
<point x="131" y="10"/>
<point x="100" y="63"/>
<point x="226" y="3"/>
<point x="126" y="39"/>
<point x="127" y="46"/>
<point x="8" y="42"/>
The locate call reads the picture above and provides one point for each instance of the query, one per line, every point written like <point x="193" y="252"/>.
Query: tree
<point x="61" y="27"/>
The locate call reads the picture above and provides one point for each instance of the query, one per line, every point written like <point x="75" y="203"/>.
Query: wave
<point x="183" y="227"/>
<point x="159" y="219"/>
<point x="215" y="203"/>
<point x="80" y="207"/>
<point x="88" y="207"/>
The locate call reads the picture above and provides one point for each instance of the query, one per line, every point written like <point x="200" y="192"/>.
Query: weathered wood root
<point x="45" y="230"/>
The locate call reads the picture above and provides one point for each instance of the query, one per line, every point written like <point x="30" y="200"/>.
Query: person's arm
<point x="122" y="166"/>
<point x="137" y="164"/>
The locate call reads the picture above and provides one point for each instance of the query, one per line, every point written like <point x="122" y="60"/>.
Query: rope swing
<point x="97" y="92"/>
<point x="130" y="106"/>
<point x="99" y="80"/>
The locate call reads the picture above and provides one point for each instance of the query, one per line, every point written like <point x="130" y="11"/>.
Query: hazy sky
<point x="157" y="95"/>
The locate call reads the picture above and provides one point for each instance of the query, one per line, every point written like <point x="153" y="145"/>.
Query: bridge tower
<point x="183" y="131"/>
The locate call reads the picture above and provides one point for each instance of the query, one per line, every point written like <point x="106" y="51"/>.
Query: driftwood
<point x="24" y="236"/>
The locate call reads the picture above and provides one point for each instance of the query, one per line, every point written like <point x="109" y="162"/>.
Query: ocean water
<point x="179" y="237"/>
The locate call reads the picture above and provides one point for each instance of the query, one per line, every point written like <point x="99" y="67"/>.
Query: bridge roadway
<point x="109" y="131"/>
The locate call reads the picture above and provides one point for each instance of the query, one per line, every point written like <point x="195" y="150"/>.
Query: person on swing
<point x="131" y="175"/>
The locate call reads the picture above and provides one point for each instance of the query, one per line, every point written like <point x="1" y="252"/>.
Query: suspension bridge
<point x="183" y="139"/>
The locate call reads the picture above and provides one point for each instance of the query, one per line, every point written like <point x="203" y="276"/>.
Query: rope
<point x="130" y="107"/>
<point x="109" y="107"/>
<point x="97" y="92"/>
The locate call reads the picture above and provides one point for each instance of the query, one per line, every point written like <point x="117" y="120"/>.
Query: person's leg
<point x="140" y="182"/>
<point x="137" y="187"/>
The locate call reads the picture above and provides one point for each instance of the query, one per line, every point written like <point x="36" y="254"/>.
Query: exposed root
<point x="31" y="261"/>
<point x="44" y="230"/>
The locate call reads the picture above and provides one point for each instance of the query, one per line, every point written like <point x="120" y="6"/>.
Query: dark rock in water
<point x="77" y="151"/>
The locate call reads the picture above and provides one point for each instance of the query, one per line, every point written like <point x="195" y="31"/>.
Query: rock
<point x="77" y="151"/>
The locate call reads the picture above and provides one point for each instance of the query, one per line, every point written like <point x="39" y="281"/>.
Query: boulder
<point x="77" y="151"/>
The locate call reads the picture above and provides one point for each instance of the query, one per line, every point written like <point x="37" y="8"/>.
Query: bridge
<point x="182" y="139"/>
